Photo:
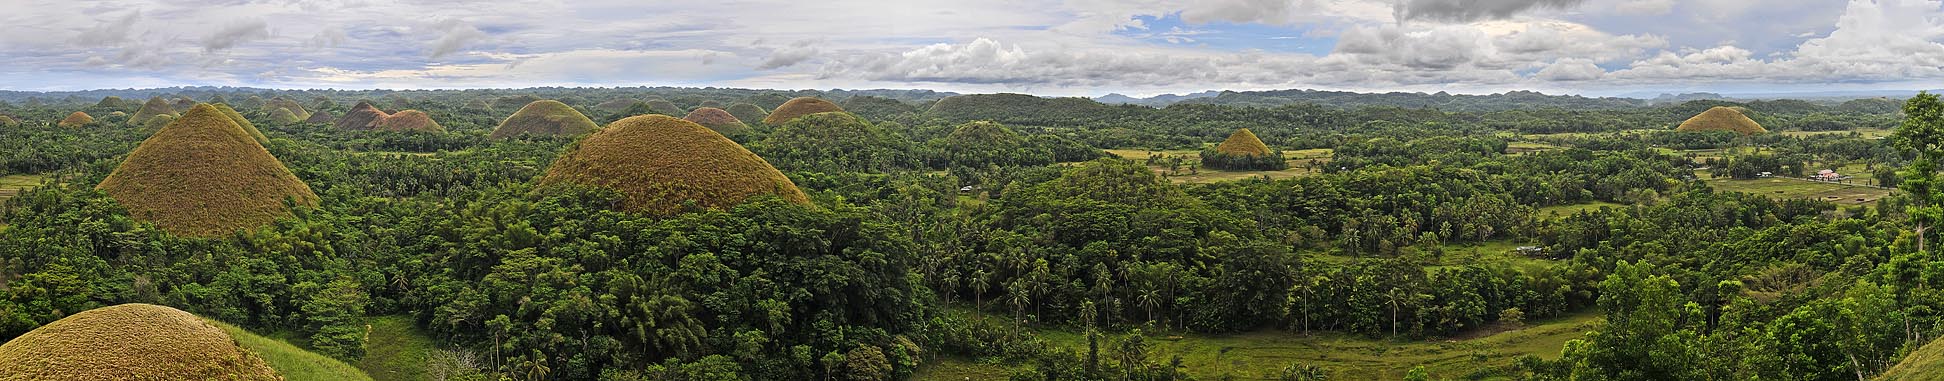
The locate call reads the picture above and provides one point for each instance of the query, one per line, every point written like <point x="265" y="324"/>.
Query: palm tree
<point x="980" y="281"/>
<point x="1151" y="299"/>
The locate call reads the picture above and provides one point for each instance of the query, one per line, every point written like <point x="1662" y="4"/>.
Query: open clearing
<point x="295" y="363"/>
<point x="397" y="350"/>
<point x="11" y="186"/>
<point x="1791" y="188"/>
<point x="1563" y="211"/>
<point x="1301" y="163"/>
<point x="1261" y="354"/>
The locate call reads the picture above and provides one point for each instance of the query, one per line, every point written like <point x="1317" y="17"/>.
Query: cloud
<point x="1473" y="10"/>
<point x="1571" y="69"/>
<point x="1645" y="7"/>
<point x="790" y="56"/>
<point x="234" y="34"/>
<point x="111" y="32"/>
<point x="456" y="34"/>
<point x="328" y="38"/>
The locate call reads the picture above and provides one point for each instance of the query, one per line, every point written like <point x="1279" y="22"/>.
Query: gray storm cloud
<point x="1472" y="10"/>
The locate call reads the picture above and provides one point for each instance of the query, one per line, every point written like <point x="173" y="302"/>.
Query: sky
<point x="1043" y="47"/>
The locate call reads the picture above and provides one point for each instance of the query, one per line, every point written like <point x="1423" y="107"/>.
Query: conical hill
<point x="660" y="163"/>
<point x="204" y="176"/>
<point x="546" y="118"/>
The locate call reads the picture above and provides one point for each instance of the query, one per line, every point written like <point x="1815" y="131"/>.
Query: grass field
<point x="397" y="350"/>
<point x="296" y="364"/>
<point x="959" y="369"/>
<point x="1562" y="211"/>
<point x="1789" y="188"/>
<point x="1299" y="162"/>
<point x="11" y="186"/>
<point x="1261" y="354"/>
<point x="1522" y="148"/>
<point x="1866" y="133"/>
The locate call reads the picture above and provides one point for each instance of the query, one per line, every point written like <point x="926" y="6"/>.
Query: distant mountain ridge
<point x="1162" y="100"/>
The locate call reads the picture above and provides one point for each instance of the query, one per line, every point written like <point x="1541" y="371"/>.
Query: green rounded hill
<point x="660" y="163"/>
<point x="799" y="107"/>
<point x="204" y="176"/>
<point x="111" y="102"/>
<point x="615" y="105"/>
<point x="285" y="110"/>
<point x="155" y="106"/>
<point x="748" y="113"/>
<point x="978" y="144"/>
<point x="77" y="119"/>
<point x="130" y="342"/>
<point x="1243" y="151"/>
<point x="546" y="118"/>
<point x="664" y="107"/>
<point x="720" y="121"/>
<point x="1722" y="119"/>
<point x="834" y="142"/>
<point x="408" y="120"/>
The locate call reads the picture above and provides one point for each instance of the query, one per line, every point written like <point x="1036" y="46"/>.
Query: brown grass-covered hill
<point x="408" y="120"/>
<point x="296" y="110"/>
<point x="720" y="121"/>
<point x="130" y="342"/>
<point x="320" y="117"/>
<point x="363" y="116"/>
<point x="1722" y="119"/>
<point x="184" y="103"/>
<point x="243" y="122"/>
<point x="1924" y="364"/>
<point x="545" y="117"/>
<point x="155" y="106"/>
<point x="157" y="122"/>
<point x="748" y="113"/>
<point x="1244" y="143"/>
<point x="77" y="119"/>
<point x="797" y="108"/>
<point x="659" y="163"/>
<point x="205" y="176"/>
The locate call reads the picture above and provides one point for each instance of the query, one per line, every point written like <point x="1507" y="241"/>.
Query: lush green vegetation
<point x="994" y="236"/>
<point x="290" y="361"/>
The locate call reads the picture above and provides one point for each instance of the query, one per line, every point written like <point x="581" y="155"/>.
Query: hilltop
<point x="799" y="107"/>
<point x="720" y="121"/>
<point x="1722" y="119"/>
<point x="130" y="342"/>
<point x="544" y="117"/>
<point x="748" y="113"/>
<point x="408" y="120"/>
<point x="659" y="163"/>
<point x="155" y="106"/>
<point x="243" y="122"/>
<point x="77" y="119"/>
<point x="1243" y="151"/>
<point x="204" y="176"/>
<point x="363" y="116"/>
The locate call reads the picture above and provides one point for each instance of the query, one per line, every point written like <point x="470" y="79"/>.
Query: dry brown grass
<point x="1722" y="119"/>
<point x="8" y="121"/>
<point x="320" y="117"/>
<point x="130" y="342"/>
<point x="409" y="120"/>
<point x="797" y="108"/>
<point x="364" y="116"/>
<point x="77" y="119"/>
<point x="544" y="117"/>
<point x="243" y="122"/>
<point x="717" y="119"/>
<point x="203" y="176"/>
<point x="155" y="106"/>
<point x="1924" y="364"/>
<point x="1244" y="143"/>
<point x="659" y="163"/>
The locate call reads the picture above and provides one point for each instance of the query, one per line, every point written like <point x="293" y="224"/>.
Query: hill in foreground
<point x="1924" y="364"/>
<point x="720" y="121"/>
<point x="799" y="107"/>
<point x="544" y="117"/>
<point x="204" y="176"/>
<point x="1722" y="119"/>
<point x="130" y="342"/>
<point x="244" y="122"/>
<point x="659" y="163"/>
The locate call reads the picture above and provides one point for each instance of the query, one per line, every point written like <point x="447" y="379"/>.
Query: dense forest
<point x="943" y="226"/>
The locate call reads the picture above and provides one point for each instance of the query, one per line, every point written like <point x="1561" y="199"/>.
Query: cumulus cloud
<point x="1473" y="10"/>
<point x="327" y="38"/>
<point x="455" y="35"/>
<point x="1645" y="7"/>
<point x="234" y="34"/>
<point x="1571" y="69"/>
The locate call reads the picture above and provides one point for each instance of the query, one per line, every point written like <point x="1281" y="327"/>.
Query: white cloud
<point x="1645" y="7"/>
<point x="234" y="34"/>
<point x="1571" y="69"/>
<point x="1473" y="10"/>
<point x="455" y="35"/>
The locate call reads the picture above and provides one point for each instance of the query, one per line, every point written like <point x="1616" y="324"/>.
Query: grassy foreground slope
<point x="296" y="364"/>
<point x="396" y="350"/>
